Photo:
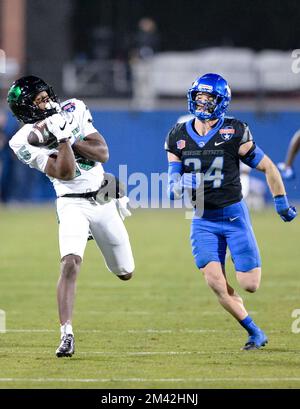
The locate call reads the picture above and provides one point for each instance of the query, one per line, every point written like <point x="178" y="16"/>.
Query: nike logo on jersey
<point x="219" y="143"/>
<point x="231" y="219"/>
<point x="63" y="127"/>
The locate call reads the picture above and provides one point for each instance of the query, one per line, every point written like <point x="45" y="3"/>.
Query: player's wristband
<point x="281" y="203"/>
<point x="283" y="208"/>
<point x="175" y="190"/>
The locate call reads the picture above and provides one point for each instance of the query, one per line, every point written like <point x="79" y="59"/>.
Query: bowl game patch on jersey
<point x="227" y="133"/>
<point x="69" y="107"/>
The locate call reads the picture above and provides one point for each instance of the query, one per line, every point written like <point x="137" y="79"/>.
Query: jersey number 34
<point x="214" y="172"/>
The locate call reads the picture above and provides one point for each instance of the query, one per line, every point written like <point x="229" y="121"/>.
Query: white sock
<point x="66" y="329"/>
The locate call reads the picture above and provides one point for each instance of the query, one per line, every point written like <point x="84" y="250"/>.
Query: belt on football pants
<point x="86" y="195"/>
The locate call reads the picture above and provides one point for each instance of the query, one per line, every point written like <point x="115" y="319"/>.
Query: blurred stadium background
<point x="132" y="61"/>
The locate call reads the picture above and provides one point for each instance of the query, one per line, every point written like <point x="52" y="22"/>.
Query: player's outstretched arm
<point x="275" y="183"/>
<point x="254" y="157"/>
<point x="92" y="147"/>
<point x="285" y="168"/>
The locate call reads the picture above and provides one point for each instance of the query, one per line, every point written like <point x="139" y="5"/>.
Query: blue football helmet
<point x="217" y="87"/>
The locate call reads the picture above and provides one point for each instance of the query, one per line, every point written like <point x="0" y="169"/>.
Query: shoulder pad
<point x="180" y="126"/>
<point x="185" y="118"/>
<point x="231" y="120"/>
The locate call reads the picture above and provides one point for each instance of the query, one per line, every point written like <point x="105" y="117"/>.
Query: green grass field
<point x="162" y="329"/>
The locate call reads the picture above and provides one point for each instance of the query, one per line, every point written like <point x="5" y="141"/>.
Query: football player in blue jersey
<point x="213" y="145"/>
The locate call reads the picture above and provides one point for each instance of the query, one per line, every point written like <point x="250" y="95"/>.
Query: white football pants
<point x="78" y="215"/>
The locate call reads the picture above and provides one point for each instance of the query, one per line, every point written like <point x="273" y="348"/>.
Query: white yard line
<point x="137" y="331"/>
<point x="137" y="353"/>
<point x="145" y="380"/>
<point x="134" y="353"/>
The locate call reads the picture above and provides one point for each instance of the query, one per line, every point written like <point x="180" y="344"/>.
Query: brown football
<point x="41" y="137"/>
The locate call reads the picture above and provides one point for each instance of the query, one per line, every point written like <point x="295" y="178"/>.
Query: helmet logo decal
<point x="14" y="93"/>
<point x="205" y="88"/>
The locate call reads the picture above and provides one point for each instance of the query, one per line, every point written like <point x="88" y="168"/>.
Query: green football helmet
<point x="21" y="95"/>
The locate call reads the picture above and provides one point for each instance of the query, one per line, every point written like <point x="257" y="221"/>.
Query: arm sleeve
<point x="174" y="190"/>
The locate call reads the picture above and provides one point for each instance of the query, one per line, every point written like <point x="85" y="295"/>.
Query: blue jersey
<point x="215" y="155"/>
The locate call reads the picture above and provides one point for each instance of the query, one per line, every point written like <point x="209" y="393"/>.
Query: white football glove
<point x="51" y="104"/>
<point x="122" y="207"/>
<point x="60" y="128"/>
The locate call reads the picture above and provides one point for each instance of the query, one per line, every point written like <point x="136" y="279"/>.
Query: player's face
<point x="205" y="102"/>
<point x="41" y="99"/>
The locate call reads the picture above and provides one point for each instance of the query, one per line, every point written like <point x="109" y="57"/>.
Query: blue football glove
<point x="283" y="208"/>
<point x="190" y="180"/>
<point x="186" y="181"/>
<point x="286" y="172"/>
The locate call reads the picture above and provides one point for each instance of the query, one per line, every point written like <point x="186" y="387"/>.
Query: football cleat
<point x="66" y="347"/>
<point x="256" y="341"/>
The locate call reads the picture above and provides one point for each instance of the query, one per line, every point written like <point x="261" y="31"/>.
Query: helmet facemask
<point x="204" y="105"/>
<point x="38" y="114"/>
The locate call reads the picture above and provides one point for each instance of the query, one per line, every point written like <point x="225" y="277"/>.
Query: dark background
<point x="192" y="24"/>
<point x="60" y="31"/>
